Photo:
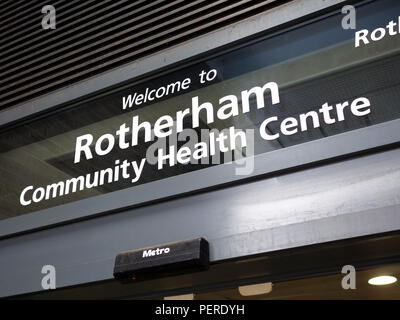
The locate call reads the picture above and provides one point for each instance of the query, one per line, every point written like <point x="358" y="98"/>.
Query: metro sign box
<point x="162" y="260"/>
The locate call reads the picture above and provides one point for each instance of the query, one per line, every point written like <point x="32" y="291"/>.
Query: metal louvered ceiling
<point x="93" y="36"/>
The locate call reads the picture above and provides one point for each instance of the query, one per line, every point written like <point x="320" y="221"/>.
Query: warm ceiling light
<point x="382" y="280"/>
<point x="255" y="289"/>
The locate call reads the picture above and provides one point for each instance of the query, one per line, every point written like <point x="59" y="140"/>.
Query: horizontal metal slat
<point x="84" y="34"/>
<point x="20" y="45"/>
<point x="44" y="74"/>
<point x="77" y="47"/>
<point x="16" y="9"/>
<point x="26" y="19"/>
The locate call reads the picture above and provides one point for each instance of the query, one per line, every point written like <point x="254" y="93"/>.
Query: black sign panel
<point x="161" y="260"/>
<point x="289" y="88"/>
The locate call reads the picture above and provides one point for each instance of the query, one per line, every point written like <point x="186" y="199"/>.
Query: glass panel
<point x="324" y="86"/>
<point x="327" y="287"/>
